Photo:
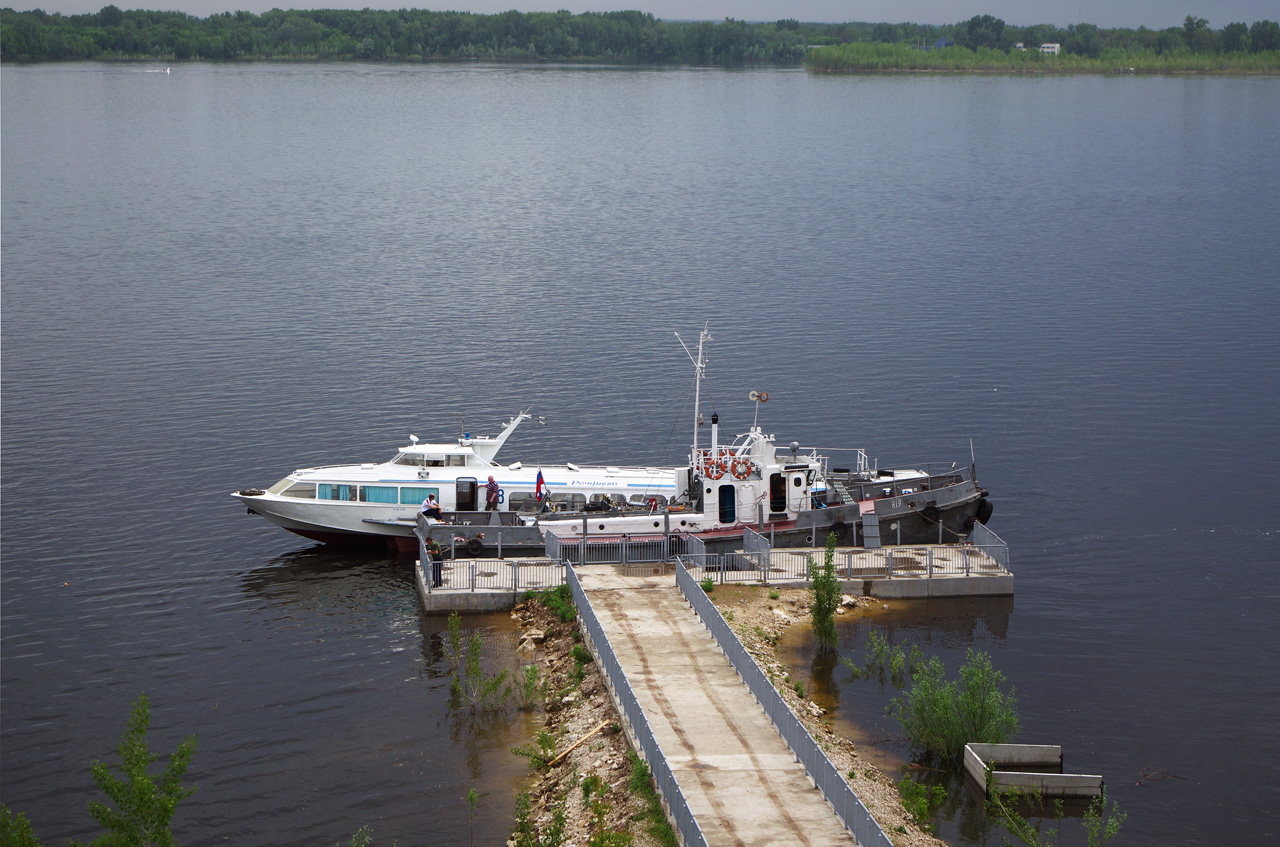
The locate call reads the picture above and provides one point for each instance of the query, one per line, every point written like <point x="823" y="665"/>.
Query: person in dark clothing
<point x="437" y="563"/>
<point x="491" y="494"/>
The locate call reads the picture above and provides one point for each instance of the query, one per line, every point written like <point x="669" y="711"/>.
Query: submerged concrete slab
<point x="742" y="782"/>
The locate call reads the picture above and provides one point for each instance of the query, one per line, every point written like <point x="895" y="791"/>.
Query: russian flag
<point x="537" y="489"/>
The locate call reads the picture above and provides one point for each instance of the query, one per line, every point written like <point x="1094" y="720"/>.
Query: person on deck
<point x="431" y="507"/>
<point x="491" y="494"/>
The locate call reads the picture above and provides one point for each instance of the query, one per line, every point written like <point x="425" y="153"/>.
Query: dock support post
<point x="582" y="546"/>
<point x="499" y="542"/>
<point x="929" y="556"/>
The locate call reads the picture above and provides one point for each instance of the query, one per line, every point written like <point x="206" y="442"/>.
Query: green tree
<point x="1235" y="38"/>
<point x="941" y="716"/>
<point x="824" y="590"/>
<point x="15" y="830"/>
<point x="144" y="805"/>
<point x="1195" y="31"/>
<point x="983" y="31"/>
<point x="1263" y="36"/>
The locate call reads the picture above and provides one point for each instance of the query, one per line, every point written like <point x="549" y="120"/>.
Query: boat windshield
<point x="418" y="460"/>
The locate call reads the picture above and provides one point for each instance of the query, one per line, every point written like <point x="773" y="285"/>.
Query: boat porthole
<point x="796" y="482"/>
<point x="683" y="523"/>
<point x="655" y="524"/>
<point x="601" y="526"/>
<point x="708" y="490"/>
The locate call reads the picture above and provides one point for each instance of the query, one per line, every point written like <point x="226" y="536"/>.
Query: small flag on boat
<point x="537" y="489"/>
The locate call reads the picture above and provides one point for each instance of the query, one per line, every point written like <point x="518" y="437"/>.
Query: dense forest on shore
<point x="981" y="43"/>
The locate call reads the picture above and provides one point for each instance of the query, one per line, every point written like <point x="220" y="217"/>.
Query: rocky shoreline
<point x="578" y="705"/>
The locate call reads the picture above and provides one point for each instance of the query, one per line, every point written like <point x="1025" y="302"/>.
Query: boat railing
<point x="634" y="715"/>
<point x="875" y="489"/>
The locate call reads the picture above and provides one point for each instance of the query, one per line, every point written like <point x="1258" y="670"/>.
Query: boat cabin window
<point x="333" y="491"/>
<point x="302" y="490"/>
<point x="777" y="493"/>
<point x="455" y="461"/>
<point x="524" y="502"/>
<point x="413" y="495"/>
<point x="568" y="502"/>
<point x="379" y="494"/>
<point x="728" y="504"/>
<point x="418" y="460"/>
<point x="649" y="501"/>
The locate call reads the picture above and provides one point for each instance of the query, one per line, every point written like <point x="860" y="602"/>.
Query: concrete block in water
<point x="1022" y="759"/>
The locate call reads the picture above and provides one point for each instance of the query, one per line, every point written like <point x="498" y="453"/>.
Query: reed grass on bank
<point x="866" y="57"/>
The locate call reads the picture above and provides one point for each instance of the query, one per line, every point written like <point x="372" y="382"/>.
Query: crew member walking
<point x="491" y="494"/>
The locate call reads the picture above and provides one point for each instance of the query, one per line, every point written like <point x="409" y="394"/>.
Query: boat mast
<point x="699" y="370"/>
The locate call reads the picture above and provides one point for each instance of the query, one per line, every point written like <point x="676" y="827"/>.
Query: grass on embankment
<point x="865" y="57"/>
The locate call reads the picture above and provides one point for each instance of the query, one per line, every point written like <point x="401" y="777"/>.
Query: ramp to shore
<point x="741" y="782"/>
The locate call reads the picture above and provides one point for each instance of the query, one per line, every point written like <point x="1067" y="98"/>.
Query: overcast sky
<point x="1156" y="14"/>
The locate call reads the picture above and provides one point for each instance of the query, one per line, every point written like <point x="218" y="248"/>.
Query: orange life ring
<point x="741" y="468"/>
<point x="764" y="396"/>
<point x="715" y="468"/>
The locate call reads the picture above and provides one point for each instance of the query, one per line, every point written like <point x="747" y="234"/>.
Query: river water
<point x="213" y="276"/>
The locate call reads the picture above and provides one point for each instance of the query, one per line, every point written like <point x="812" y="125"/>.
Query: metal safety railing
<point x="984" y="554"/>
<point x="677" y="805"/>
<point x="514" y="575"/>
<point x="990" y="543"/>
<point x="616" y="549"/>
<point x="851" y="811"/>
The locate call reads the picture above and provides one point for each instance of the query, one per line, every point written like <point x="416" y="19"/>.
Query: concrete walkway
<point x="742" y="782"/>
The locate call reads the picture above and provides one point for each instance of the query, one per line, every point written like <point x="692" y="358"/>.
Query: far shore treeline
<point x="980" y="43"/>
